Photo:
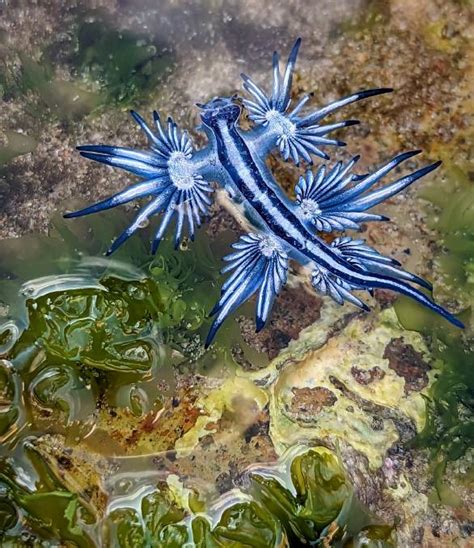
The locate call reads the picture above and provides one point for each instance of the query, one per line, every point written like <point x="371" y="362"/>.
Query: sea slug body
<point x="179" y="182"/>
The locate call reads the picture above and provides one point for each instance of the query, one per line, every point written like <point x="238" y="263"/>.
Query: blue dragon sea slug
<point x="179" y="180"/>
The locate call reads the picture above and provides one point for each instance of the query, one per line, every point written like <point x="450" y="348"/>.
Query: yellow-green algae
<point x="349" y="414"/>
<point x="213" y="406"/>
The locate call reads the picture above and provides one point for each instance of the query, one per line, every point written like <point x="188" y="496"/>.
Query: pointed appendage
<point x="367" y="259"/>
<point x="169" y="177"/>
<point x="297" y="136"/>
<point x="371" y="270"/>
<point x="336" y="199"/>
<point x="258" y="264"/>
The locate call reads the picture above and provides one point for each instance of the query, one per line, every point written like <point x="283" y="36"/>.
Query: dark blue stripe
<point x="358" y="277"/>
<point x="246" y="157"/>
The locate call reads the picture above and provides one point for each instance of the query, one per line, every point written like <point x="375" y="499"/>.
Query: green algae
<point x="90" y="65"/>
<point x="449" y="430"/>
<point x="454" y="221"/>
<point x="16" y="144"/>
<point x="306" y="499"/>
<point x="242" y="524"/>
<point x="50" y="512"/>
<point x="98" y="327"/>
<point x="67" y="261"/>
<point x="156" y="524"/>
<point x="448" y="433"/>
<point x="124" y="64"/>
<point x="100" y="324"/>
<point x="321" y="490"/>
<point x="90" y="334"/>
<point x="103" y="329"/>
<point x="310" y="502"/>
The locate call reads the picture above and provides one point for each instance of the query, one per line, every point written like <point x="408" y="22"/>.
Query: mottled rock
<point x="407" y="363"/>
<point x="310" y="401"/>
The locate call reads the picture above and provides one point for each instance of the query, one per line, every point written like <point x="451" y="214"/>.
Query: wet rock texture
<point x="353" y="382"/>
<point x="407" y="363"/>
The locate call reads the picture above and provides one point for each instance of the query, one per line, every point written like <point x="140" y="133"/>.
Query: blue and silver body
<point x="179" y="180"/>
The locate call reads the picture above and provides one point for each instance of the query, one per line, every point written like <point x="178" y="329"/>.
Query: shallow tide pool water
<point x="330" y="427"/>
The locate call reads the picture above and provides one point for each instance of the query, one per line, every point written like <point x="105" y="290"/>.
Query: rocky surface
<point x="352" y="382"/>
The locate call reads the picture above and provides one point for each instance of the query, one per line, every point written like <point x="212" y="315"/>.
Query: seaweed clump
<point x="101" y="324"/>
<point x="91" y="335"/>
<point x="303" y="500"/>
<point x="449" y="429"/>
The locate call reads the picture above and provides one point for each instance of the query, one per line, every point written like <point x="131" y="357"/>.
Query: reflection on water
<point x="92" y="365"/>
<point x="116" y="425"/>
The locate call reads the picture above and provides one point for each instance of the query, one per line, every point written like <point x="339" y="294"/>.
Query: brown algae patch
<point x="310" y="401"/>
<point x="407" y="363"/>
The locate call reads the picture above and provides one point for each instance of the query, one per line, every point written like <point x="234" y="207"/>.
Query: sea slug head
<point x="220" y="109"/>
